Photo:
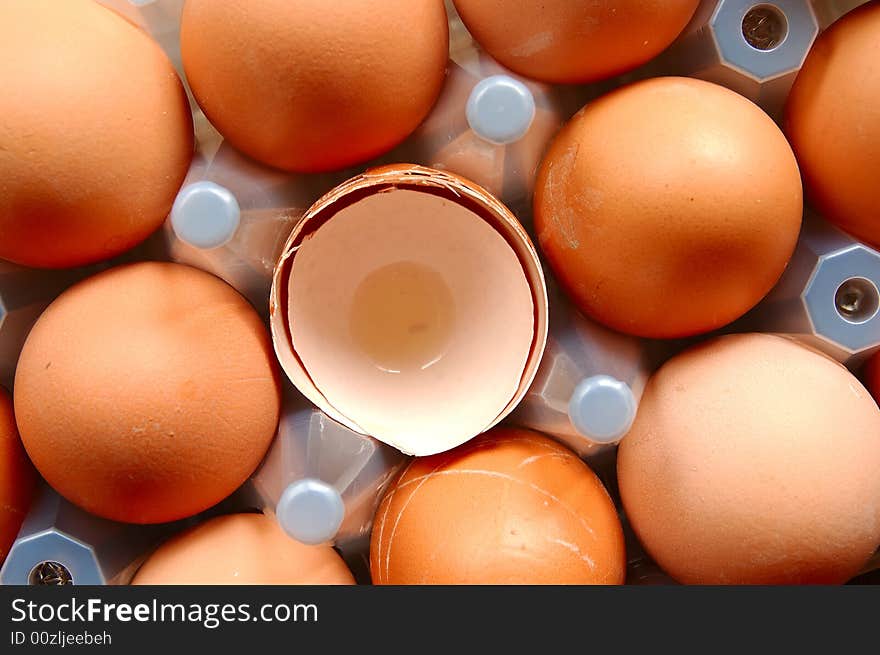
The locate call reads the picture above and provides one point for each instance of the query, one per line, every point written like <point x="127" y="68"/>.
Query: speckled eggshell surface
<point x="96" y="134"/>
<point x="833" y="122"/>
<point x="668" y="207"/>
<point x="509" y="507"/>
<point x="314" y="85"/>
<point x="241" y="549"/>
<point x="754" y="460"/>
<point x="147" y="393"/>
<point x="565" y="41"/>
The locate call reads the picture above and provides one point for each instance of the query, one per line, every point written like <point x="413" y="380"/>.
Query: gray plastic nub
<point x="602" y="408"/>
<point x="500" y="109"/>
<point x="310" y="511"/>
<point x="205" y="215"/>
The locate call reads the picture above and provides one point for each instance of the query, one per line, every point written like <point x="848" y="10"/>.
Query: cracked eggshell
<point x="96" y="134"/>
<point x="241" y="549"/>
<point x="754" y="460"/>
<point x="147" y="393"/>
<point x="17" y="477"/>
<point x="509" y="507"/>
<point x="409" y="304"/>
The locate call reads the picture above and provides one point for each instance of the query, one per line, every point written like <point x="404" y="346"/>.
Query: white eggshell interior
<point x="413" y="317"/>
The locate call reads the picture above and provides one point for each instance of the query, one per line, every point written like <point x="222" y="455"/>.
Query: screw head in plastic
<point x="76" y="558"/>
<point x="763" y="41"/>
<point x="842" y="298"/>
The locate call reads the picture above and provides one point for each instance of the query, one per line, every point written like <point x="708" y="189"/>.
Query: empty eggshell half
<point x="409" y="304"/>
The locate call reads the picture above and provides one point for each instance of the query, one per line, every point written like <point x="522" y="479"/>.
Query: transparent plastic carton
<point x="322" y="481"/>
<point x="829" y="296"/>
<point x="587" y="390"/>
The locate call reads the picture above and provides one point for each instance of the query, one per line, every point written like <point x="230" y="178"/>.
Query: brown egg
<point x="669" y="207"/>
<point x="147" y="393"/>
<point x="17" y="477"/>
<point x="241" y="549"/>
<point x="96" y="134"/>
<point x="509" y="507"/>
<point x="567" y="41"/>
<point x="754" y="460"/>
<point x="833" y="122"/>
<point x="314" y="85"/>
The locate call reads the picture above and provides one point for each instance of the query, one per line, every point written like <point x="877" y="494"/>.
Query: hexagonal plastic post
<point x="61" y="544"/>
<point x="587" y="389"/>
<point x="322" y="481"/>
<point x="754" y="48"/>
<point x="233" y="215"/>
<point x="159" y="18"/>
<point x="828" y="296"/>
<point x="489" y="126"/>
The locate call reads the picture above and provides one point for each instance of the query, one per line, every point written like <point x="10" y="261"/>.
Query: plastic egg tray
<point x="321" y="480"/>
